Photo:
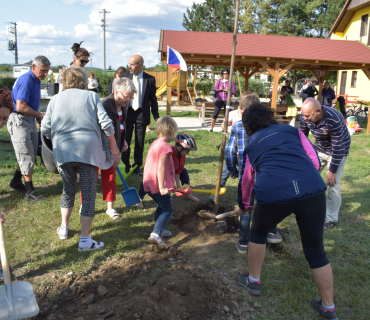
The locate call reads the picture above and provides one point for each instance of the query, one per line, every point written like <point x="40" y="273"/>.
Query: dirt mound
<point x="148" y="286"/>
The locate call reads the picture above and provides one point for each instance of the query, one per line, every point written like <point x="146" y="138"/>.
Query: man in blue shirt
<point x="22" y="125"/>
<point x="332" y="142"/>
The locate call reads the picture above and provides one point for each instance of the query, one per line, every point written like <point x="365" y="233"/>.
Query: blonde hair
<point x="248" y="98"/>
<point x="165" y="126"/>
<point x="74" y="77"/>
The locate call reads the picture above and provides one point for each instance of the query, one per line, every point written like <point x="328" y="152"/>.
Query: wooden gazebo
<point x="275" y="54"/>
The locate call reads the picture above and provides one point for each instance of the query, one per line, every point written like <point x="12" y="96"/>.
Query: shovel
<point x="188" y="190"/>
<point x="17" y="300"/>
<point x="130" y="195"/>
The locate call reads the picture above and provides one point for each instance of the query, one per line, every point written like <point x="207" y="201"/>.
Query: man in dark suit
<point x="138" y="113"/>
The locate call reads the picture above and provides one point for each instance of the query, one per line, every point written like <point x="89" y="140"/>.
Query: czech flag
<point x="175" y="59"/>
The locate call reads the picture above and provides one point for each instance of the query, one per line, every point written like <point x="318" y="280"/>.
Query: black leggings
<point x="310" y="215"/>
<point x="218" y="107"/>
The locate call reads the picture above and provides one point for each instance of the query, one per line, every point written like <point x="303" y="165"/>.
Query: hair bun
<point x="76" y="47"/>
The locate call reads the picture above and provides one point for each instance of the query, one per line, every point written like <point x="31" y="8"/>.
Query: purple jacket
<point x="222" y="95"/>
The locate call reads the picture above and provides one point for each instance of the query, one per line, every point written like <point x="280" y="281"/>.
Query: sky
<point x="50" y="27"/>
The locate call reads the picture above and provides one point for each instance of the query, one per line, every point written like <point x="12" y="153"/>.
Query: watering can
<point x="130" y="195"/>
<point x="17" y="300"/>
<point x="122" y="169"/>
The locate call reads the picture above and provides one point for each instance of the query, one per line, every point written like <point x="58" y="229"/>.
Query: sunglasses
<point x="84" y="61"/>
<point x="225" y="73"/>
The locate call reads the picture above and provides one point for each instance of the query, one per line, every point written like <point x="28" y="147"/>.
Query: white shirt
<point x="140" y="89"/>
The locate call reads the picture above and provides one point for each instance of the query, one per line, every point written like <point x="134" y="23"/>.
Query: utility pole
<point x="90" y="64"/>
<point x="103" y="26"/>
<point x="13" y="46"/>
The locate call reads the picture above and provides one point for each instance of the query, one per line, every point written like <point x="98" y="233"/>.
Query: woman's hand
<point x="112" y="145"/>
<point x="125" y="146"/>
<point x="116" y="162"/>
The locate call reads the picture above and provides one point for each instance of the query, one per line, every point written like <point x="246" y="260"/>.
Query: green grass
<point x="34" y="248"/>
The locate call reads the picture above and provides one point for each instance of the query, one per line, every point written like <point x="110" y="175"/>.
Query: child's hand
<point x="163" y="191"/>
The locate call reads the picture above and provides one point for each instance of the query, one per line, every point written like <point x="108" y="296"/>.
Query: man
<point x="22" y="125"/>
<point x="138" y="113"/>
<point x="332" y="142"/>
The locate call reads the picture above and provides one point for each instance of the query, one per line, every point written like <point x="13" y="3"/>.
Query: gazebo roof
<point x="214" y="48"/>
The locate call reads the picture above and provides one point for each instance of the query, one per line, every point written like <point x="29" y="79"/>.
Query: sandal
<point x="34" y="196"/>
<point x="157" y="240"/>
<point x="94" y="246"/>
<point x="329" y="225"/>
<point x="113" y="214"/>
<point x="166" y="233"/>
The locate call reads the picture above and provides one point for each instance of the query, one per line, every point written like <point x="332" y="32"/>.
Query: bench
<point x="279" y="108"/>
<point x="206" y="109"/>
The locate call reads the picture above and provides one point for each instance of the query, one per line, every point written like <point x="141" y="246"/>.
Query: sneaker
<point x="94" y="246"/>
<point x="330" y="314"/>
<point x="17" y="186"/>
<point x="242" y="248"/>
<point x="62" y="234"/>
<point x="34" y="196"/>
<point x="253" y="287"/>
<point x="157" y="240"/>
<point x="211" y="130"/>
<point x="274" y="238"/>
<point x="166" y="233"/>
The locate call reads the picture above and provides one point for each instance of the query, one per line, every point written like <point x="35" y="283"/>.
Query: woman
<point x="74" y="121"/>
<point x="92" y="84"/>
<point x="221" y="89"/>
<point x="6" y="105"/>
<point x="311" y="90"/>
<point x="287" y="181"/>
<point x="115" y="106"/>
<point x="287" y="87"/>
<point x="80" y="59"/>
<point x="327" y="95"/>
<point x="117" y="76"/>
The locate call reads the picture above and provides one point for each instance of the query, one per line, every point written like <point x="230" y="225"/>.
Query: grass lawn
<point x="288" y="289"/>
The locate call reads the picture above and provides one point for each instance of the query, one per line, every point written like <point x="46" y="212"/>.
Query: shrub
<point x="104" y="79"/>
<point x="8" y="82"/>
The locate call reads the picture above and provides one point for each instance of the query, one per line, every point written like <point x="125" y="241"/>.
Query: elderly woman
<point x="327" y="95"/>
<point x="287" y="181"/>
<point x="116" y="107"/>
<point x="92" y="84"/>
<point x="74" y="121"/>
<point x="221" y="89"/>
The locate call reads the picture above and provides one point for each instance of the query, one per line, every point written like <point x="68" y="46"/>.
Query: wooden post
<point x="169" y="78"/>
<point x="203" y="113"/>
<point x="275" y="86"/>
<point x="240" y="88"/>
<point x="195" y="79"/>
<point x="179" y="72"/>
<point x="321" y="78"/>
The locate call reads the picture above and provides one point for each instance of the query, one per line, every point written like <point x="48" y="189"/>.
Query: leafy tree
<point x="56" y="69"/>
<point x="104" y="79"/>
<point x="5" y="68"/>
<point x="8" y="82"/>
<point x="110" y="67"/>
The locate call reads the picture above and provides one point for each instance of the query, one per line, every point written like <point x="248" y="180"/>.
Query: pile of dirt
<point x="148" y="286"/>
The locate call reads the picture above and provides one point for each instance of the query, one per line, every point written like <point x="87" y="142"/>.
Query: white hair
<point x="41" y="61"/>
<point x="125" y="84"/>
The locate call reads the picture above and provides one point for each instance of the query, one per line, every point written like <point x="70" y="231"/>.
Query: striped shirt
<point x="234" y="149"/>
<point x="331" y="136"/>
<point x="121" y="121"/>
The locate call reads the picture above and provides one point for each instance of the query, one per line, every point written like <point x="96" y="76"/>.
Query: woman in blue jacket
<point x="327" y="95"/>
<point x="287" y="181"/>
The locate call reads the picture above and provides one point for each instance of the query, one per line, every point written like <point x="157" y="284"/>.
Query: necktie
<point x="135" y="102"/>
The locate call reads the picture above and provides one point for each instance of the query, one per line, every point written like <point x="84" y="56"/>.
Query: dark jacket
<point x="149" y="99"/>
<point x="109" y="105"/>
<point x="329" y="94"/>
<point x="311" y="92"/>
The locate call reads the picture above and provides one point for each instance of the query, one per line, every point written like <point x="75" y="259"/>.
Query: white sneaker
<point x="94" y="246"/>
<point x="62" y="235"/>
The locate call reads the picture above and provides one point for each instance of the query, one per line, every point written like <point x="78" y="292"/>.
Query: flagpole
<point x="228" y="106"/>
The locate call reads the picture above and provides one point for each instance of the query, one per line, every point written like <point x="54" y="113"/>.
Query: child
<point x="159" y="178"/>
<point x="184" y="143"/>
<point x="292" y="110"/>
<point x="234" y="155"/>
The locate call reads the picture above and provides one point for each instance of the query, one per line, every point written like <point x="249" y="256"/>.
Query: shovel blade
<point x="130" y="197"/>
<point x="25" y="304"/>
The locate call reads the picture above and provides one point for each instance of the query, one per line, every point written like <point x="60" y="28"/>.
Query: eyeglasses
<point x="127" y="98"/>
<point x="225" y="73"/>
<point x="84" y="61"/>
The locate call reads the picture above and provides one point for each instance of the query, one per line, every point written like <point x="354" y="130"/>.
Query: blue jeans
<point x="225" y="175"/>
<point x="184" y="179"/>
<point x="163" y="212"/>
<point x="245" y="225"/>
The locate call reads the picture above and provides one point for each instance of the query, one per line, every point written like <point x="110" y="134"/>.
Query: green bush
<point x="204" y="85"/>
<point x="104" y="79"/>
<point x="8" y="82"/>
<point x="257" y="86"/>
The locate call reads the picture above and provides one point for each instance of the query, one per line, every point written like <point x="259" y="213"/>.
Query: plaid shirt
<point x="235" y="149"/>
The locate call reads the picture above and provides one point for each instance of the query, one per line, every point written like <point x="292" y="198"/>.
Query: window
<point x="364" y="19"/>
<point x="354" y="79"/>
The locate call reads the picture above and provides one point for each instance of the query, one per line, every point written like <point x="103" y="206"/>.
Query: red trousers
<point x="108" y="180"/>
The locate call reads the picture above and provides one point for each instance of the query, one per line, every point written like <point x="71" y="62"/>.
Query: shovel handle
<point x="227" y="214"/>
<point x="4" y="256"/>
<point x="122" y="178"/>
